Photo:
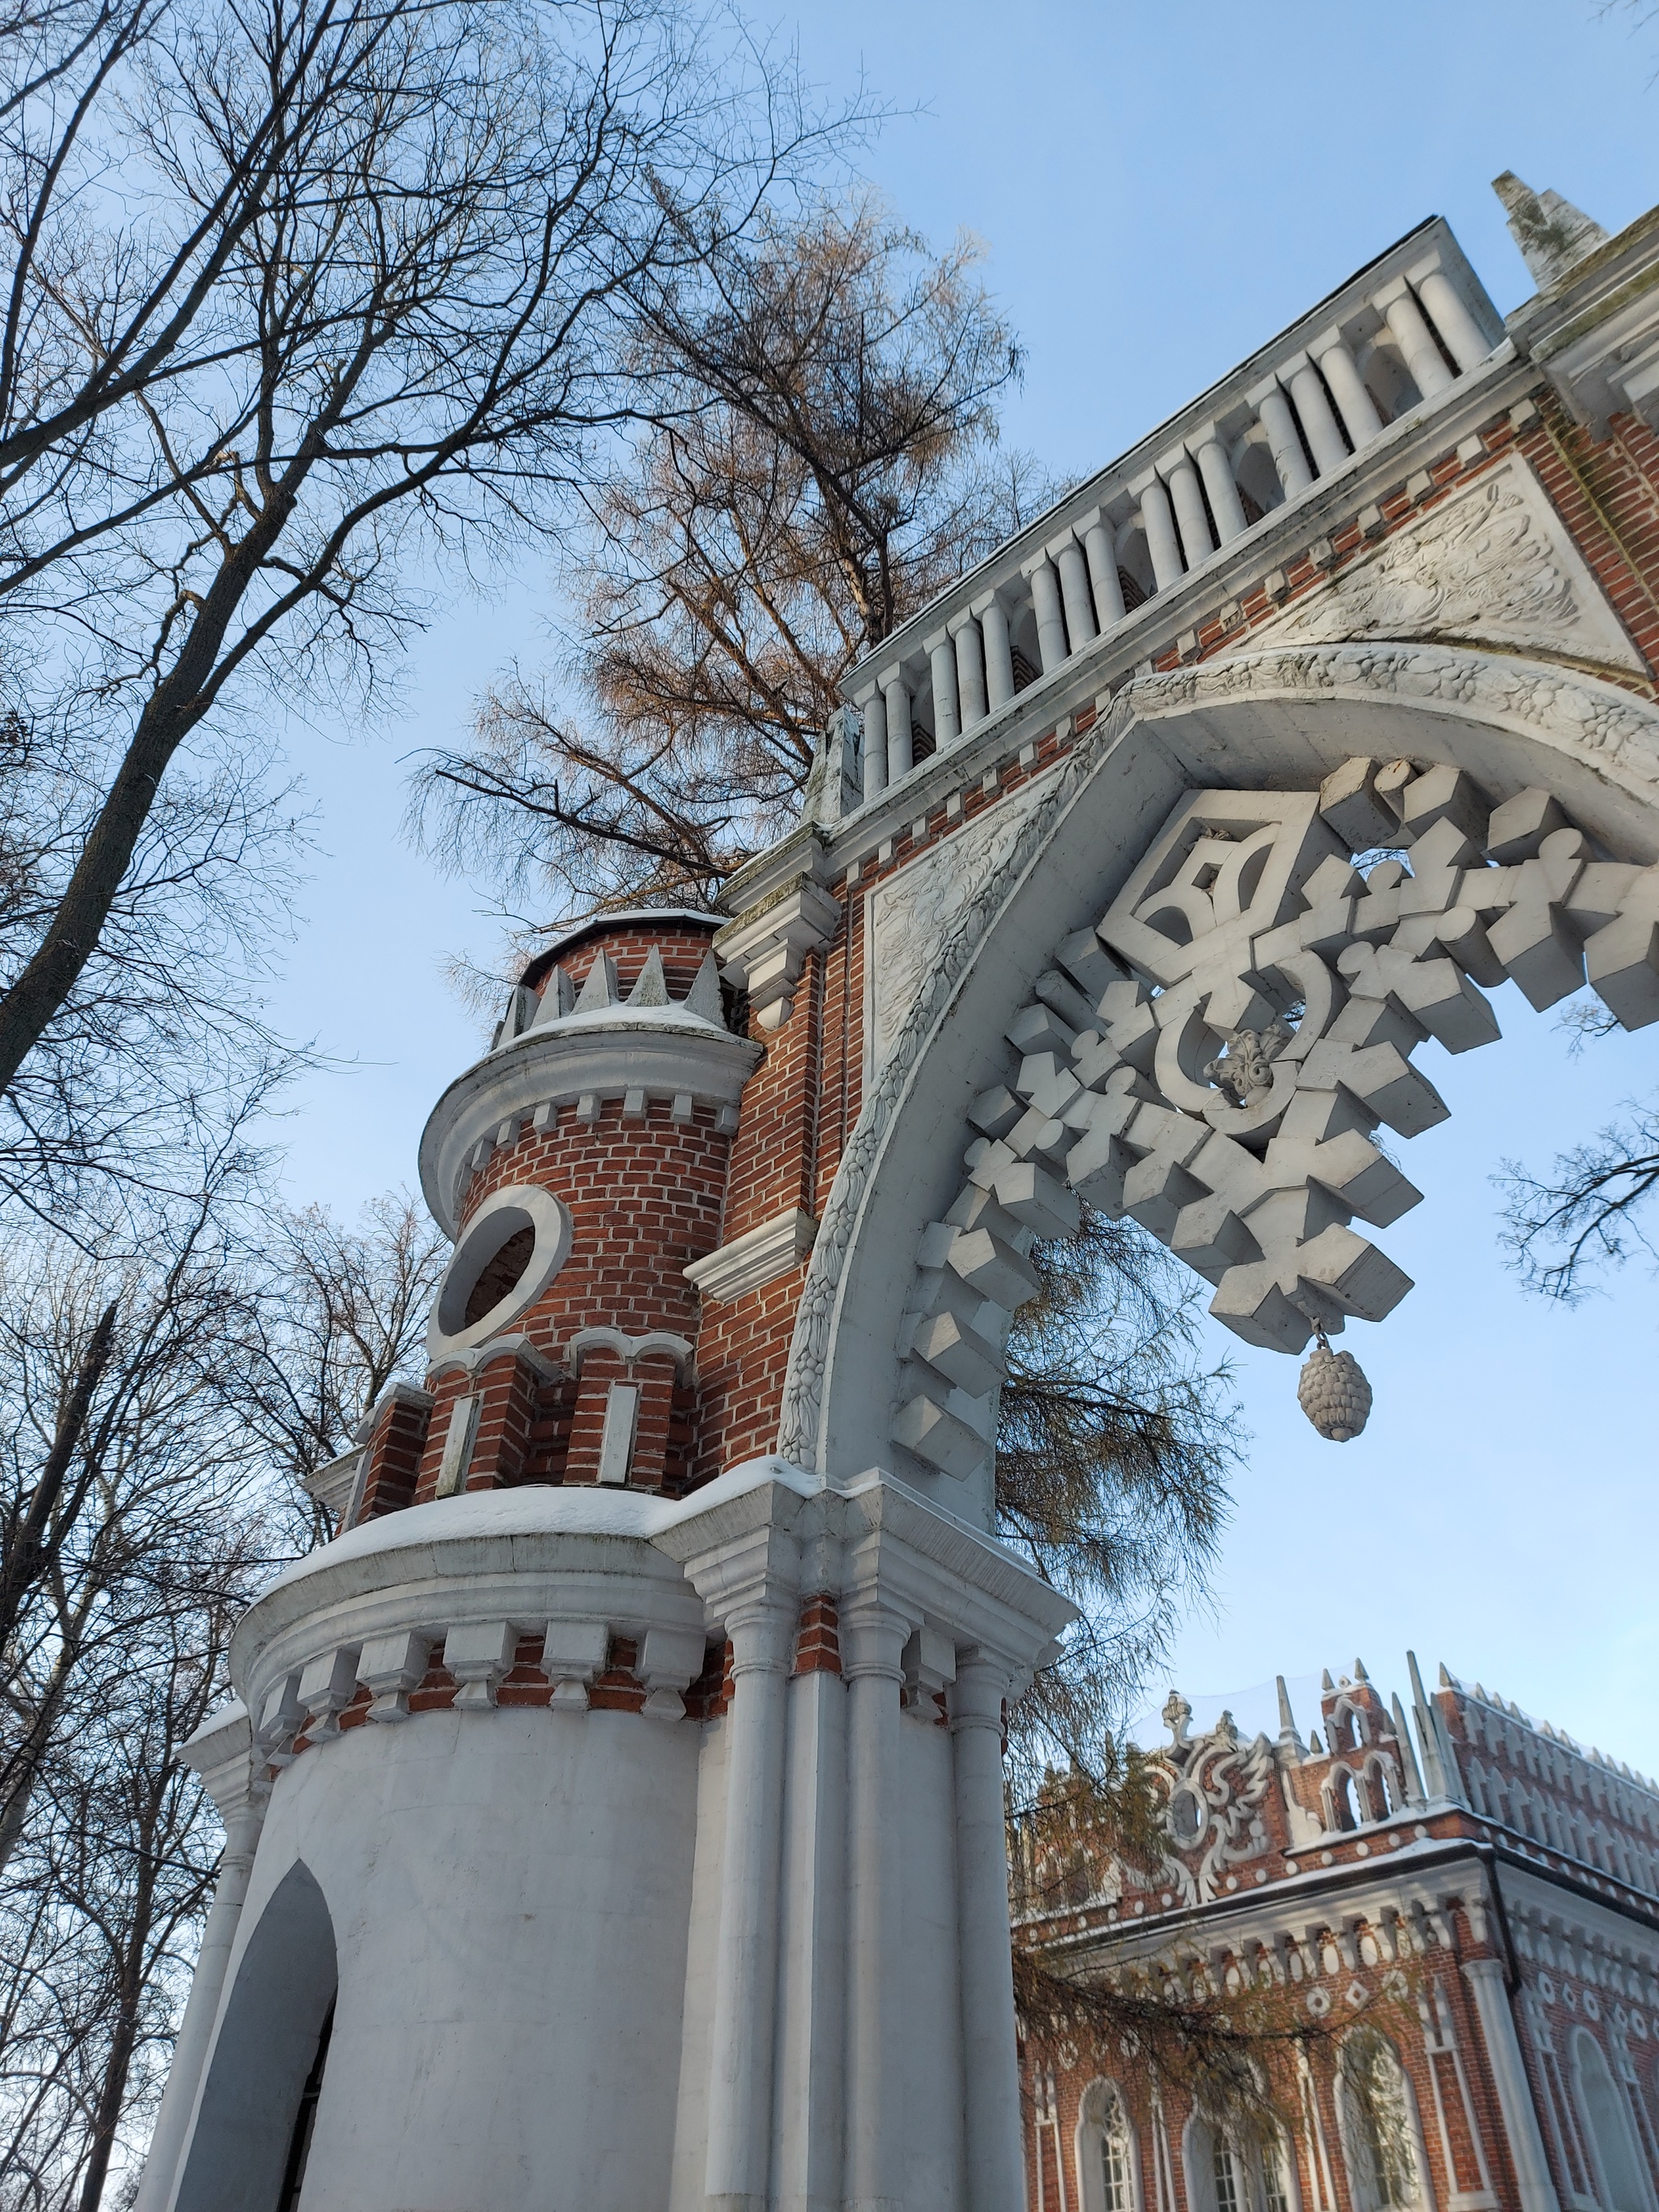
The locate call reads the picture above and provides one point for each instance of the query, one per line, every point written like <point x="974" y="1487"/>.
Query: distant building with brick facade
<point x="614" y="1806"/>
<point x="1463" y="1900"/>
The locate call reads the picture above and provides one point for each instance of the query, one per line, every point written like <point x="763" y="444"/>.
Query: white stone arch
<point x="1107" y="2150"/>
<point x="267" y="2047"/>
<point x="1270" y="720"/>
<point x="1382" y="2133"/>
<point x="1623" y="2182"/>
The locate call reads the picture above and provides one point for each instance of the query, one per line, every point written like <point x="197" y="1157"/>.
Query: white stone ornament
<point x="1334" y="1394"/>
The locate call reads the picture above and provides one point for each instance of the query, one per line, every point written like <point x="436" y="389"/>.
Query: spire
<point x="703" y="1000"/>
<point x="1414" y="1791"/>
<point x="1553" y="235"/>
<point x="1325" y="1681"/>
<point x="1440" y="1772"/>
<point x="652" y="988"/>
<point x="600" y="990"/>
<point x="1287" y="1731"/>
<point x="1359" y="1673"/>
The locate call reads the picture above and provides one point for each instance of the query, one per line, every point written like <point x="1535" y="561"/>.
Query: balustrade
<point x="1390" y="347"/>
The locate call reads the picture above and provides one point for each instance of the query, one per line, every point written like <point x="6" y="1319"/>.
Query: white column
<point x="807" y="2160"/>
<point x="874" y="708"/>
<point x="947" y="712"/>
<point x="873" y="1639"/>
<point x="1509" y="2074"/>
<point x="1080" y="623"/>
<point x="1455" y="324"/>
<point x="746" y="1947"/>
<point x="1196" y="542"/>
<point x="1354" y="403"/>
<point x="1158" y="522"/>
<point x="999" y="659"/>
<point x="1414" y="338"/>
<point x="1103" y="568"/>
<point x="899" y="750"/>
<point x="207" y="1990"/>
<point x="996" y="2165"/>
<point x="1050" y="622"/>
<point x="1324" y="438"/>
<point x="970" y="670"/>
<point x="1273" y="411"/>
<point x="1217" y="471"/>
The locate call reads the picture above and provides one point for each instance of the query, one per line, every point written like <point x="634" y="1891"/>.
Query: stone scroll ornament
<point x="1214" y="1059"/>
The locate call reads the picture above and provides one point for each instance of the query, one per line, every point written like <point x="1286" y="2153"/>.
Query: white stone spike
<point x="600" y="988"/>
<point x="652" y="988"/>
<point x="703" y="1000"/>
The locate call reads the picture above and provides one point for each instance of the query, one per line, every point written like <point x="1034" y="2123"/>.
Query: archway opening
<point x="1607" y="2123"/>
<point x="253" y="2128"/>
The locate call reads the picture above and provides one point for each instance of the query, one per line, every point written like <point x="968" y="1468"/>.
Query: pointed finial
<point x="1176" y="1714"/>
<point x="1359" y="1673"/>
<point x="1325" y="1681"/>
<point x="1314" y="1745"/>
<point x="1286" y="1717"/>
<point x="652" y="988"/>
<point x="1415" y="1793"/>
<point x="1553" y="235"/>
<point x="1446" y="1681"/>
<point x="703" y="1000"/>
<point x="600" y="990"/>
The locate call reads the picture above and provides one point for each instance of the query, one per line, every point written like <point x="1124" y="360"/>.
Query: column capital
<point x="975" y="1698"/>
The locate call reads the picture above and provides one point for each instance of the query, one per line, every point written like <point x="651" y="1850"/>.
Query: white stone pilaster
<point x="970" y="670"/>
<point x="947" y="710"/>
<point x="1354" y="403"/>
<point x="1397" y="304"/>
<point x="1274" y="412"/>
<point x="901" y="756"/>
<point x="874" y="1636"/>
<point x="1492" y="2001"/>
<point x="1324" y="437"/>
<point x="996" y="2177"/>
<point x="1158" y="521"/>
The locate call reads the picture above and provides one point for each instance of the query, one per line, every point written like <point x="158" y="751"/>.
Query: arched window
<point x="1344" y="1809"/>
<point x="1108" y="2167"/>
<point x="1224" y="2175"/>
<point x="1379" y="2125"/>
<point x="1621" y="2185"/>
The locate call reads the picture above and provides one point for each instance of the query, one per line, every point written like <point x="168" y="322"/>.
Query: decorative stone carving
<point x="913" y="911"/>
<point x="1493" y="562"/>
<point x="765" y="951"/>
<point x="755" y="1259"/>
<point x="1212" y="1787"/>
<point x="1578" y="718"/>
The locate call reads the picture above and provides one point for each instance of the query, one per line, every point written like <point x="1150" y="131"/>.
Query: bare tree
<point x="823" y="460"/>
<point x="365" y="312"/>
<point x="1563" y="1229"/>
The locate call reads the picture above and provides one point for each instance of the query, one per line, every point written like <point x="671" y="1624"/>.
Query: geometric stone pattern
<point x="1215" y="1058"/>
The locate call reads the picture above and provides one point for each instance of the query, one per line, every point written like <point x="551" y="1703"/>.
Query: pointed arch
<point x="1107" y="2151"/>
<point x="1622" y="2183"/>
<point x="248" y="2147"/>
<point x="1381" y="2131"/>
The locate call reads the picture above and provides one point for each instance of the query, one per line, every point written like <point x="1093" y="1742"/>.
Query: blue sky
<point x="1158" y="190"/>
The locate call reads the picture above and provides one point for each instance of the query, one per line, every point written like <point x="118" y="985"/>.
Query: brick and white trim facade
<point x="616" y="1802"/>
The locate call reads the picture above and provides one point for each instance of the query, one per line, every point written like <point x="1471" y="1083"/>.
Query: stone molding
<point x="659" y="1343"/>
<point x="756" y="1258"/>
<point x="659" y="1054"/>
<point x="764" y="950"/>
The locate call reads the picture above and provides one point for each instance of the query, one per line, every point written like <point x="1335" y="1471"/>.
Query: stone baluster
<point x="745" y="1965"/>
<point x="990" y="2062"/>
<point x="1207" y="447"/>
<point x="1440" y="299"/>
<point x="1096" y="535"/>
<point x="1354" y="403"/>
<point x="873" y="1640"/>
<point x="1158" y="521"/>
<point x="999" y="659"/>
<point x="874" y="708"/>
<point x="1324" y="437"/>
<point x="901" y="751"/>
<point x="971" y="670"/>
<point x="1052" y="648"/>
<point x="947" y="711"/>
<point x="1196" y="543"/>
<point x="1397" y="304"/>
<point x="1274" y="412"/>
<point x="1080" y="623"/>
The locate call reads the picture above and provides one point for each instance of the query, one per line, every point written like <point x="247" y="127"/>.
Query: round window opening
<point x="507" y="1255"/>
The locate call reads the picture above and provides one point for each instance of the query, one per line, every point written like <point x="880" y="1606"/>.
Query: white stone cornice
<point x="757" y="1257"/>
<point x="220" y="1752"/>
<point x="766" y="947"/>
